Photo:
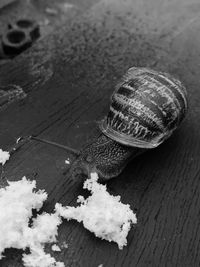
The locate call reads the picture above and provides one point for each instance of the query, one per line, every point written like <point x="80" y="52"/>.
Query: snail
<point x="146" y="107"/>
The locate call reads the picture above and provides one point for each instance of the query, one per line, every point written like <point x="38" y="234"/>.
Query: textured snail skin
<point x="146" y="107"/>
<point x="105" y="156"/>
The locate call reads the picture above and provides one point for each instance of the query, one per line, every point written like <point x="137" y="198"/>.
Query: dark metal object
<point x="20" y="35"/>
<point x="26" y="25"/>
<point x="15" y="41"/>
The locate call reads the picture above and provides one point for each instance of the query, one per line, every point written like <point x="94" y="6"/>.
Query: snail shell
<point x="146" y="107"/>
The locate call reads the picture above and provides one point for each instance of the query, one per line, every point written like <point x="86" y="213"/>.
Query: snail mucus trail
<point x="146" y="107"/>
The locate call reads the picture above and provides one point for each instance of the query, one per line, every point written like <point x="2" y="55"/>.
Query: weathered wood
<point x="69" y="78"/>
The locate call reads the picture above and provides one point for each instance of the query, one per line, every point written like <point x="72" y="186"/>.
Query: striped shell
<point x="146" y="107"/>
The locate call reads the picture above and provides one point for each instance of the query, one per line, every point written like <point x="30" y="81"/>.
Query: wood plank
<point x="69" y="78"/>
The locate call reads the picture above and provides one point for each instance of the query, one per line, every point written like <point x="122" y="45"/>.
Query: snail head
<point x="103" y="156"/>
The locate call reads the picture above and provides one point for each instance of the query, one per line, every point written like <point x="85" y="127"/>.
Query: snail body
<point x="146" y="107"/>
<point x="105" y="156"/>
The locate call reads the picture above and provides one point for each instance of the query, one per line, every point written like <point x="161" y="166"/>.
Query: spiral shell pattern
<point x="146" y="107"/>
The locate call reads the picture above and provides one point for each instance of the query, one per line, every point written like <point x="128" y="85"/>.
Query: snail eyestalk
<point x="72" y="150"/>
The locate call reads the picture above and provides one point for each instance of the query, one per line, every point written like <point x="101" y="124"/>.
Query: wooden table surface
<point x="68" y="77"/>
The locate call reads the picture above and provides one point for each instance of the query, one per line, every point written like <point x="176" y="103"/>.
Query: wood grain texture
<point x="69" y="78"/>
